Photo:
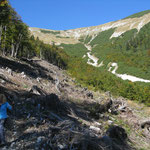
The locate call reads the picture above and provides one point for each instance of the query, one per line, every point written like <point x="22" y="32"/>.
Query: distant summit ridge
<point x="73" y="36"/>
<point x="139" y="14"/>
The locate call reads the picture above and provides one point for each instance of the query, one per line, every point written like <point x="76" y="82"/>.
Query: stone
<point x="3" y="82"/>
<point x="108" y="93"/>
<point x="110" y="121"/>
<point x="38" y="79"/>
<point x="97" y="123"/>
<point x="10" y="71"/>
<point x="62" y="146"/>
<point x="95" y="128"/>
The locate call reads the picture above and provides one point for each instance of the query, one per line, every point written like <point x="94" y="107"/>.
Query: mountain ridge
<point x="72" y="36"/>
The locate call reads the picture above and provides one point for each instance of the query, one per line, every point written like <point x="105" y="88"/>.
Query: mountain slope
<point x="121" y="64"/>
<point x="53" y="111"/>
<point x="124" y="42"/>
<point x="74" y="35"/>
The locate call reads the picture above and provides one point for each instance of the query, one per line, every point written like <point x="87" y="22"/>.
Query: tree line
<point x="16" y="40"/>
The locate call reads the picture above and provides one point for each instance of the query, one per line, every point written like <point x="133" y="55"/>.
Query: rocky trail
<point x="51" y="111"/>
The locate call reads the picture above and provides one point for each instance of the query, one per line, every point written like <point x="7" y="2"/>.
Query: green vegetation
<point x="61" y="37"/>
<point x="50" y="32"/>
<point x="85" y="39"/>
<point x="16" y="41"/>
<point x="51" y="53"/>
<point x="105" y="81"/>
<point x="77" y="50"/>
<point x="123" y="124"/>
<point x="103" y="37"/>
<point x="81" y="39"/>
<point x="130" y="51"/>
<point x="140" y="14"/>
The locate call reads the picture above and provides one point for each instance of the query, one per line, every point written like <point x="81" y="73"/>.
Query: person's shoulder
<point x="8" y="106"/>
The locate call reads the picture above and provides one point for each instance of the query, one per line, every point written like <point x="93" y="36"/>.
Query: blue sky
<point x="70" y="14"/>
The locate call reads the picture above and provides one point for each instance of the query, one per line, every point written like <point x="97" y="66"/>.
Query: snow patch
<point x="101" y="64"/>
<point x="84" y="56"/>
<point x="116" y="34"/>
<point x="141" y="24"/>
<point x="125" y="76"/>
<point x="92" y="58"/>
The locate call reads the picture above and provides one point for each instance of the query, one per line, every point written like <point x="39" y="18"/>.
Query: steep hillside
<point x="53" y="111"/>
<point x="56" y="109"/>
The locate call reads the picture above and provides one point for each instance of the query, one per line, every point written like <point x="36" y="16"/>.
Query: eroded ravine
<point x="92" y="60"/>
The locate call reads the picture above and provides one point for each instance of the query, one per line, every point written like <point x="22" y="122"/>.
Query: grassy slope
<point x="75" y="50"/>
<point x="115" y="50"/>
<point x="50" y="32"/>
<point x="85" y="39"/>
<point x="99" y="79"/>
<point x="140" y="14"/>
<point x="132" y="61"/>
<point x="103" y="37"/>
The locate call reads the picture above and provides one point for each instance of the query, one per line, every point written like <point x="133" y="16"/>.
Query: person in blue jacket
<point x="4" y="105"/>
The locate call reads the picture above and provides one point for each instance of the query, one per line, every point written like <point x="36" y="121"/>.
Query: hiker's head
<point x="2" y="99"/>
